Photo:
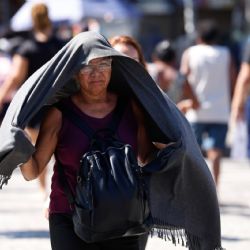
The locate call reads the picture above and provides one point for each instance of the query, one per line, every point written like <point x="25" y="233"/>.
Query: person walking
<point x="31" y="55"/>
<point x="163" y="69"/>
<point x="210" y="72"/>
<point x="240" y="109"/>
<point x="173" y="168"/>
<point x="241" y="87"/>
<point x="5" y="62"/>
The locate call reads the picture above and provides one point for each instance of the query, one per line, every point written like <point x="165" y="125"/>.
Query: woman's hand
<point x="30" y="169"/>
<point x="186" y="105"/>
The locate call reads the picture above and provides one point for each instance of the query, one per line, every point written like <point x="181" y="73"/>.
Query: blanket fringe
<point x="4" y="180"/>
<point x="176" y="235"/>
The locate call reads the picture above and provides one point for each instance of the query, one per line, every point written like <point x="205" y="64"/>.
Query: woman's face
<point x="127" y="50"/>
<point x="94" y="77"/>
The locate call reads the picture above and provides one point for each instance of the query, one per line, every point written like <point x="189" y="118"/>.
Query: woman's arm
<point x="241" y="92"/>
<point x="184" y="66"/>
<point x="233" y="76"/>
<point x="45" y="145"/>
<point x="189" y="99"/>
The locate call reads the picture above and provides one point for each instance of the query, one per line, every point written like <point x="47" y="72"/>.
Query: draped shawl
<point x="182" y="193"/>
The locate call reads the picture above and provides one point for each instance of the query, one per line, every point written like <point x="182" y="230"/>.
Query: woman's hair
<point x="40" y="17"/>
<point x="127" y="40"/>
<point x="208" y="31"/>
<point x="164" y="52"/>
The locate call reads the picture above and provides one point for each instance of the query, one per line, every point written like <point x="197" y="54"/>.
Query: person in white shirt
<point x="211" y="73"/>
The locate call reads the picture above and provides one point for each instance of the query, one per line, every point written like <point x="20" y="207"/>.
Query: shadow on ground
<point x="25" y="234"/>
<point x="235" y="209"/>
<point x="234" y="239"/>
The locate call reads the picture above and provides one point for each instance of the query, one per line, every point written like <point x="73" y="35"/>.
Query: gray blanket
<point x="183" y="199"/>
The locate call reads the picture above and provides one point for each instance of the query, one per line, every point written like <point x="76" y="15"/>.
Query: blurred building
<point x="152" y="20"/>
<point x="177" y="19"/>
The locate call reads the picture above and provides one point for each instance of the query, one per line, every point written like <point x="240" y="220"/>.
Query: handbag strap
<point x="78" y="122"/>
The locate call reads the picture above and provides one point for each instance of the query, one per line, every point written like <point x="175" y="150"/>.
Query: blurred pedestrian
<point x="242" y="87"/>
<point x="30" y="56"/>
<point x="5" y="62"/>
<point x="166" y="74"/>
<point x="8" y="47"/>
<point x="210" y="72"/>
<point x="240" y="111"/>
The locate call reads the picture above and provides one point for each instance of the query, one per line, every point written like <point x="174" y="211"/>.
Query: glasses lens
<point x="86" y="70"/>
<point x="103" y="66"/>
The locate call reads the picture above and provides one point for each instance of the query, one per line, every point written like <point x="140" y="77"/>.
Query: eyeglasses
<point x="102" y="67"/>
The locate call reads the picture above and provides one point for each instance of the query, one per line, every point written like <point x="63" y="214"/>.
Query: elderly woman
<point x="181" y="193"/>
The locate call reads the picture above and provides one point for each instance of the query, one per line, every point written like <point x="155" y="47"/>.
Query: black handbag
<point x="110" y="199"/>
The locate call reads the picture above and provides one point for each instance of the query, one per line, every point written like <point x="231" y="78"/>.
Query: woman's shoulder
<point x="62" y="103"/>
<point x="52" y="120"/>
<point x="53" y="113"/>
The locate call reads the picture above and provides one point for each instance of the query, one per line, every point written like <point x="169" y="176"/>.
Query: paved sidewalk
<point x="23" y="226"/>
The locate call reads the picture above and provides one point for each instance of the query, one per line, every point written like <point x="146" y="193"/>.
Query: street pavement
<point x="24" y="227"/>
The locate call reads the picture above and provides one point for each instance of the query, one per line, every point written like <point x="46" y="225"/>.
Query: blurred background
<point x="147" y="20"/>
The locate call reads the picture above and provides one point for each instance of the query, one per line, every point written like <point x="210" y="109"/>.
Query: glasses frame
<point x="103" y="66"/>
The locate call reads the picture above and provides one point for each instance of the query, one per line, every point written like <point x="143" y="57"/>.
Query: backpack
<point x="110" y="197"/>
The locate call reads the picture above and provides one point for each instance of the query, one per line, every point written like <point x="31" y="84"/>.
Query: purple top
<point x="73" y="143"/>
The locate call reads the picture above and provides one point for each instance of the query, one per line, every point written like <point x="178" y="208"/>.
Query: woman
<point x="177" y="171"/>
<point x="30" y="56"/>
<point x="57" y="135"/>
<point x="128" y="46"/>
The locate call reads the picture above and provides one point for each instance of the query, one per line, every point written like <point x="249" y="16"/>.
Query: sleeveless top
<point x="210" y="79"/>
<point x="73" y="143"/>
